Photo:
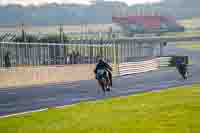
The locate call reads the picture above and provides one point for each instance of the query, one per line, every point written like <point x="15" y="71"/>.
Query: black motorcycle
<point x="182" y="68"/>
<point x="103" y="79"/>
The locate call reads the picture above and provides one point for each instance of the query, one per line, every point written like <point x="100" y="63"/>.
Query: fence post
<point x="116" y="57"/>
<point x="1" y="55"/>
<point x="161" y="49"/>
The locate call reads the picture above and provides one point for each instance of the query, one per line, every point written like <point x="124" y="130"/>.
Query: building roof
<point x="146" y="21"/>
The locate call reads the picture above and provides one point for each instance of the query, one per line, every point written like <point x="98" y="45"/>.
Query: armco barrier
<point x="138" y="67"/>
<point x="170" y="61"/>
<point x="144" y="66"/>
<point x="165" y="61"/>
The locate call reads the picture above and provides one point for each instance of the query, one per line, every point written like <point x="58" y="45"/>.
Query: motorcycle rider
<point x="182" y="67"/>
<point x="106" y="74"/>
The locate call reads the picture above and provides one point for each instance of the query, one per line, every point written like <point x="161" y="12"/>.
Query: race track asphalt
<point x="33" y="98"/>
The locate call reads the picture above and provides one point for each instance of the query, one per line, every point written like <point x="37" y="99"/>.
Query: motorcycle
<point x="103" y="80"/>
<point x="182" y="68"/>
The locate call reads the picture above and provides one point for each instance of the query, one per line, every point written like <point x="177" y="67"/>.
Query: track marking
<point x="23" y="113"/>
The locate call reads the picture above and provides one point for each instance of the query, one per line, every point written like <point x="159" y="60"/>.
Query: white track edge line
<point x="23" y="113"/>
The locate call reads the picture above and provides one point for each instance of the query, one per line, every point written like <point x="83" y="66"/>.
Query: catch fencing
<point x="114" y="52"/>
<point x="74" y="52"/>
<point x="54" y="54"/>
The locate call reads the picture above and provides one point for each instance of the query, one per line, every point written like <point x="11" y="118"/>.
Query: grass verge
<point x="181" y="34"/>
<point x="170" y="111"/>
<point x="191" y="46"/>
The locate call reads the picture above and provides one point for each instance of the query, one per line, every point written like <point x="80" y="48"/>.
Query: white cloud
<point x="37" y="2"/>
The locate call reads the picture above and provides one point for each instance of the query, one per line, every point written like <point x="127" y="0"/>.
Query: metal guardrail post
<point x="116" y="57"/>
<point x="161" y="49"/>
<point x="1" y="55"/>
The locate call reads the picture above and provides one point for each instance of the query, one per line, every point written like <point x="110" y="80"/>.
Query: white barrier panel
<point x="164" y="61"/>
<point x="138" y="67"/>
<point x="143" y="66"/>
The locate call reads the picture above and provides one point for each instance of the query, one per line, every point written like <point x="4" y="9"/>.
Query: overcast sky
<point x="27" y="2"/>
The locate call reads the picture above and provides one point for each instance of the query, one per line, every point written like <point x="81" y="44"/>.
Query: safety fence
<point x="34" y="54"/>
<point x="165" y="61"/>
<point x="84" y="51"/>
<point x="144" y="66"/>
<point x="138" y="67"/>
<point x="170" y="61"/>
<point x="149" y="65"/>
<point x="80" y="52"/>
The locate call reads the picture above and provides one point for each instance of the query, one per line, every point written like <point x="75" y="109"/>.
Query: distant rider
<point x="182" y="67"/>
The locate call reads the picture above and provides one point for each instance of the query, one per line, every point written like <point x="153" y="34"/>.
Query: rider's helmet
<point x="179" y="61"/>
<point x="100" y="60"/>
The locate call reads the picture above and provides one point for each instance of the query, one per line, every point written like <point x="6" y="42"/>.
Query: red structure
<point x="147" y="22"/>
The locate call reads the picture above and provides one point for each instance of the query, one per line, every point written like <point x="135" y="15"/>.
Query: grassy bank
<point x="181" y="34"/>
<point x="170" y="111"/>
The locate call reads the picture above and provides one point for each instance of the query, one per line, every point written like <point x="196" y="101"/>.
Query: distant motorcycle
<point x="182" y="68"/>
